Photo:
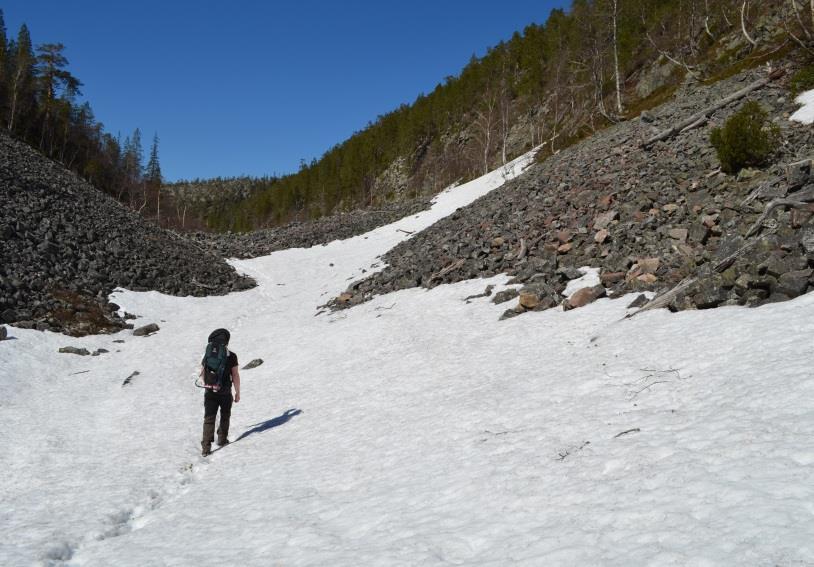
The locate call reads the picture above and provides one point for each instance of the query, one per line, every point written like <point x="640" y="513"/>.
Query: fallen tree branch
<point x="523" y="249"/>
<point x="444" y="271"/>
<point x="664" y="299"/>
<point x="798" y="203"/>
<point x="701" y="117"/>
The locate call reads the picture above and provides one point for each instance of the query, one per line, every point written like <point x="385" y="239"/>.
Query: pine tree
<point x="153" y="167"/>
<point x="53" y="79"/>
<point x="21" y="81"/>
<point x="153" y="177"/>
<point x="3" y="64"/>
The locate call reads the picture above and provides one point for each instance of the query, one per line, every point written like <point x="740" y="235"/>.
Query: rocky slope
<point x="648" y="219"/>
<point x="65" y="246"/>
<point x="307" y="234"/>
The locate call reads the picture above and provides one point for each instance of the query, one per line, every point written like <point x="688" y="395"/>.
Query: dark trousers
<point x="212" y="402"/>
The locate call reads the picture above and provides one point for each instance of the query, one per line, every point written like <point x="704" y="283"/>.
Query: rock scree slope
<point x="64" y="246"/>
<point x="648" y="219"/>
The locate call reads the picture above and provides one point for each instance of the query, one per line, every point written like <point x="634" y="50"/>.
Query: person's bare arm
<point x="236" y="382"/>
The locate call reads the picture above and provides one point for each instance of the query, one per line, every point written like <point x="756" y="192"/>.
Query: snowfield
<point x="415" y="429"/>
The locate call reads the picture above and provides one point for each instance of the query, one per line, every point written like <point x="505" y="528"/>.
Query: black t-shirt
<point x="227" y="382"/>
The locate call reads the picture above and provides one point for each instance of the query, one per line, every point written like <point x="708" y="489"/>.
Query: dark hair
<point x="220" y="336"/>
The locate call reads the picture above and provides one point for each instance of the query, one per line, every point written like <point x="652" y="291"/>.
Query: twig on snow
<point x="634" y="430"/>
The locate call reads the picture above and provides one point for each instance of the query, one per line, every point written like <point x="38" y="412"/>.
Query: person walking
<point x="220" y="372"/>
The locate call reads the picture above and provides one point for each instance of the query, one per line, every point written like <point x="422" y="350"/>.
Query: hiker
<point x="220" y="372"/>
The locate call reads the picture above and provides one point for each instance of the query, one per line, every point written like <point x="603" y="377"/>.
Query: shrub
<point x="803" y="80"/>
<point x="747" y="139"/>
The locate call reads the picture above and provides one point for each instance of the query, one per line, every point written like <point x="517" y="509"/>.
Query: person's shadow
<point x="269" y="424"/>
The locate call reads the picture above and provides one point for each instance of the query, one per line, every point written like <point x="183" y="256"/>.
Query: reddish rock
<point x="648" y="265"/>
<point x="564" y="236"/>
<point x="529" y="300"/>
<point x="609" y="278"/>
<point x="565" y="248"/>
<point x="601" y="236"/>
<point x="648" y="279"/>
<point x="585" y="296"/>
<point x="604" y="220"/>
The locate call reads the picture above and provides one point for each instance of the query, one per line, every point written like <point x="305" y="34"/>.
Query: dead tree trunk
<point x="699" y="118"/>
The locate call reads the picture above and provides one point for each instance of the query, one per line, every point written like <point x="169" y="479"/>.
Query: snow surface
<point x="415" y="429"/>
<point x="806" y="113"/>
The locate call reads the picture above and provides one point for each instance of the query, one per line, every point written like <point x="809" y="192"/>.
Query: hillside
<point x="551" y="85"/>
<point x="647" y="218"/>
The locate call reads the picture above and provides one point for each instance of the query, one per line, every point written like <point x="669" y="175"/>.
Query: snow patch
<point x="806" y="114"/>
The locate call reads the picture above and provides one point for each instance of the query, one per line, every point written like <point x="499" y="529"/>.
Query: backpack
<point x="215" y="365"/>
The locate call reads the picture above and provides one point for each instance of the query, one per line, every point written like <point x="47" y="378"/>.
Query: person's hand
<point x="237" y="397"/>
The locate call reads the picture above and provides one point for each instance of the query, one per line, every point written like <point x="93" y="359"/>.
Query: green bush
<point x="803" y="80"/>
<point x="747" y="139"/>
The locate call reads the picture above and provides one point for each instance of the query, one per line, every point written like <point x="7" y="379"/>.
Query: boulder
<point x="793" y="284"/>
<point x="709" y="294"/>
<point x="253" y="364"/>
<point x="74" y="350"/>
<point x="585" y="296"/>
<point x="640" y="301"/>
<point x="146" y="330"/>
<point x="504" y="296"/>
<point x="529" y="299"/>
<point x="610" y="278"/>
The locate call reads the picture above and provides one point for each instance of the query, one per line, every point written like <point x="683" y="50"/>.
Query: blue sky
<point x="254" y="87"/>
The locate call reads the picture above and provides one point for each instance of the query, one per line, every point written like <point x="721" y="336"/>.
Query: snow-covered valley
<point x="414" y="429"/>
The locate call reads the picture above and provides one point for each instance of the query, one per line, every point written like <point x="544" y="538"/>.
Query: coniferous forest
<point x="40" y="104"/>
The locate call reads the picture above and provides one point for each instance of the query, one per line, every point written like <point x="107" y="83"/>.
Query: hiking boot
<point x="206" y="448"/>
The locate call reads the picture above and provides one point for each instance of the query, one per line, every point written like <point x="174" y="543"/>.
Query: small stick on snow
<point x="634" y="430"/>
<point x="404" y="231"/>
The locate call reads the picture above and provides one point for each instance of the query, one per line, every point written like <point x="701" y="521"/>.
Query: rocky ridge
<point x="648" y="219"/>
<point x="65" y="246"/>
<point x="306" y="234"/>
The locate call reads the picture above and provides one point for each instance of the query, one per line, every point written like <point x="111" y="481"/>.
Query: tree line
<point x="39" y="104"/>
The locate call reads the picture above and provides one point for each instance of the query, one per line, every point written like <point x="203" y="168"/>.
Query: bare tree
<point x="619" y="107"/>
<point x="744" y="13"/>
<point x="505" y="107"/>
<point x="484" y="123"/>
